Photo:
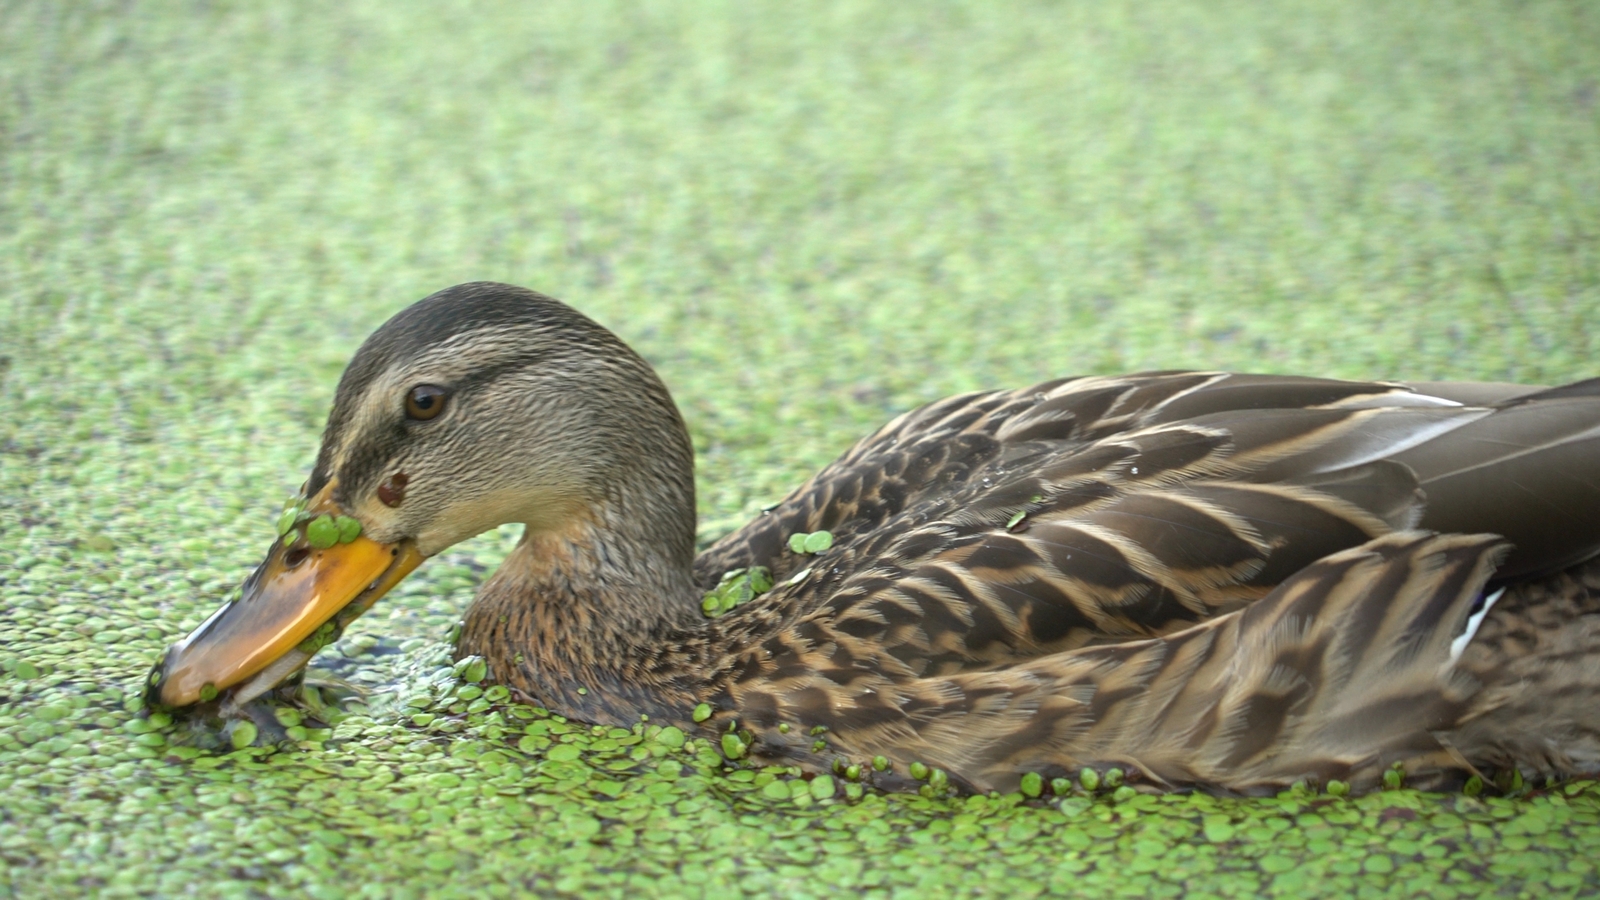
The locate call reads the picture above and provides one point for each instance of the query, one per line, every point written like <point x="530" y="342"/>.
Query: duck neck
<point x="579" y="618"/>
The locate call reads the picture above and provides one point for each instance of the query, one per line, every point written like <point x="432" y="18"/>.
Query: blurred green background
<point x="809" y="217"/>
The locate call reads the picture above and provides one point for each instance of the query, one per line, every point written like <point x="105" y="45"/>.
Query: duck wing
<point x="990" y="451"/>
<point x="952" y="632"/>
<point x="996" y="527"/>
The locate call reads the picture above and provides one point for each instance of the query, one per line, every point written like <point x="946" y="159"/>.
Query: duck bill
<point x="277" y="623"/>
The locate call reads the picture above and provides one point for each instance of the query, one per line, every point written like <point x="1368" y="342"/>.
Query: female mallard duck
<point x="1231" y="581"/>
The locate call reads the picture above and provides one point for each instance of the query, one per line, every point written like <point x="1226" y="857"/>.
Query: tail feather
<point x="1526" y="472"/>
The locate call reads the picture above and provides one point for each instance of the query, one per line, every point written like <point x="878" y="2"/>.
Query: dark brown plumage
<point x="1231" y="581"/>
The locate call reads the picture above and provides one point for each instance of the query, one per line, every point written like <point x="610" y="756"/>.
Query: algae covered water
<point x="808" y="221"/>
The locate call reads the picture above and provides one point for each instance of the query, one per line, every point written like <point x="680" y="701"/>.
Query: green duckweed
<point x="322" y="637"/>
<point x="349" y="528"/>
<point x="473" y="670"/>
<point x="243" y="734"/>
<point x="321" y="532"/>
<point x="737" y="587"/>
<point x="288" y="518"/>
<point x="812" y="543"/>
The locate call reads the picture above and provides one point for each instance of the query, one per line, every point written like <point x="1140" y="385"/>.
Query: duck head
<point x="480" y="405"/>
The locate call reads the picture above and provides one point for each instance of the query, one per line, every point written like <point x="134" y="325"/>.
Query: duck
<point x="1210" y="580"/>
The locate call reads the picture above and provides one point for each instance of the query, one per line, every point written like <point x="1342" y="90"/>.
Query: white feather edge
<point x="1475" y="620"/>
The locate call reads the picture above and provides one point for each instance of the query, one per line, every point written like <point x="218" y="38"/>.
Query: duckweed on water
<point x="181" y="300"/>
<point x="243" y="734"/>
<point x="472" y="669"/>
<point x="1090" y="779"/>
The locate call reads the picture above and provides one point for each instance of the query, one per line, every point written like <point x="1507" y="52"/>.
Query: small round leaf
<point x="244" y="734"/>
<point x="349" y="528"/>
<point x="321" y="532"/>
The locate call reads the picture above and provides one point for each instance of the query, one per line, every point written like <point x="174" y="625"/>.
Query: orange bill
<point x="284" y="604"/>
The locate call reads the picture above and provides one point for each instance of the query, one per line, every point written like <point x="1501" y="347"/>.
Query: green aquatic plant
<point x="1346" y="188"/>
<point x="812" y="543"/>
<point x="736" y="588"/>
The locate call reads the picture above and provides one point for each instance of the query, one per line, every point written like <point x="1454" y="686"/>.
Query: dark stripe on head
<point x="436" y="319"/>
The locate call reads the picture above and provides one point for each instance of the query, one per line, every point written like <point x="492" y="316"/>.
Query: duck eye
<point x="425" y="402"/>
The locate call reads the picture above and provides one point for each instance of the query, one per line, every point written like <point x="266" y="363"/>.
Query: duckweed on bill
<point x="322" y="637"/>
<point x="213" y="203"/>
<point x="289" y="517"/>
<point x="321" y="532"/>
<point x="349" y="528"/>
